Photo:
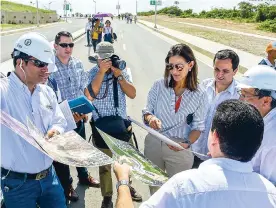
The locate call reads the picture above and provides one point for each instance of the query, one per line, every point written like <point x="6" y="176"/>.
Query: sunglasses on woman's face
<point x="179" y="67"/>
<point x="38" y="63"/>
<point x="65" y="45"/>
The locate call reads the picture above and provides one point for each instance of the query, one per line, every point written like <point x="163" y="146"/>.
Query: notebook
<point x="81" y="105"/>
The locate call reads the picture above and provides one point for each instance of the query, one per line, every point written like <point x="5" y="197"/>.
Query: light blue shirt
<point x="212" y="103"/>
<point x="42" y="108"/>
<point x="217" y="183"/>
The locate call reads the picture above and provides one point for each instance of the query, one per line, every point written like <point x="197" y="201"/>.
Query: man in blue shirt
<point x="270" y="60"/>
<point x="28" y="178"/>
<point x="101" y="93"/>
<point x="72" y="81"/>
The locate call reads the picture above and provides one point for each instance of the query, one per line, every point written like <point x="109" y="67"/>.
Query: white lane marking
<point x="124" y="47"/>
<point x="128" y="71"/>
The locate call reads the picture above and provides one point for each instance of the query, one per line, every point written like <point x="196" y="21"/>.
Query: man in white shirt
<point x="28" y="178"/>
<point x="220" y="88"/>
<point x="88" y="28"/>
<point x="227" y="179"/>
<point x="259" y="89"/>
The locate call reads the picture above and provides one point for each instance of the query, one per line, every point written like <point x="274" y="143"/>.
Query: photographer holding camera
<point x="108" y="88"/>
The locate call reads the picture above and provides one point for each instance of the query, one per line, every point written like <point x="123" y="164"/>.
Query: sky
<point x="88" y="6"/>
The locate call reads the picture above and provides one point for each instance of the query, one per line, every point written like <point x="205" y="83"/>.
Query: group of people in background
<point x="229" y="125"/>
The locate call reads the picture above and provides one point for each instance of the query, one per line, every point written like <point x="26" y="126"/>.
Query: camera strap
<point x="115" y="95"/>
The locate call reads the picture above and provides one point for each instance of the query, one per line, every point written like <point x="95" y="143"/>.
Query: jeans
<point x="88" y="37"/>
<point x="25" y="193"/>
<point x="82" y="172"/>
<point x="94" y="43"/>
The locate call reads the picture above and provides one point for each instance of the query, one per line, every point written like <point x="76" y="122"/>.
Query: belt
<point x="33" y="176"/>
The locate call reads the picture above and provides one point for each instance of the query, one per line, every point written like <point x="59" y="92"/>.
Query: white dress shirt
<point x="88" y="26"/>
<point x="42" y="108"/>
<point x="214" y="100"/>
<point x="264" y="161"/>
<point x="217" y="183"/>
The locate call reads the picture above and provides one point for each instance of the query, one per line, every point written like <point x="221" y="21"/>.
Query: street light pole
<point x="95" y="6"/>
<point x="155" y="14"/>
<point x="37" y="20"/>
<point x="136" y="7"/>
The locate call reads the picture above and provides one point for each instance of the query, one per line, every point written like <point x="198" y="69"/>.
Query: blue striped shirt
<point x="106" y="106"/>
<point x="71" y="78"/>
<point x="161" y="103"/>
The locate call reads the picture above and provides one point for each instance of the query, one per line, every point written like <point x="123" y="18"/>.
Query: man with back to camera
<point x="259" y="88"/>
<point x="28" y="178"/>
<point x="72" y="81"/>
<point x="227" y="179"/>
<point x="220" y="88"/>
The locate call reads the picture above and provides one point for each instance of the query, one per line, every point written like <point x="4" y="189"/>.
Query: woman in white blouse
<point x="108" y="32"/>
<point x="175" y="108"/>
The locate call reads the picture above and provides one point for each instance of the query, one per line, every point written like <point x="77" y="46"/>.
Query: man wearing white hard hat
<point x="28" y="177"/>
<point x="259" y="88"/>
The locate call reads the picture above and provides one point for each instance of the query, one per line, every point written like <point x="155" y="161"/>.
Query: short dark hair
<point x="266" y="93"/>
<point x="240" y="129"/>
<point x="228" y="54"/>
<point x="62" y="33"/>
<point x="186" y="52"/>
<point x="19" y="55"/>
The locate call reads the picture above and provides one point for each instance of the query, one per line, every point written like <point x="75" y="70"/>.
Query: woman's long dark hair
<point x="186" y="52"/>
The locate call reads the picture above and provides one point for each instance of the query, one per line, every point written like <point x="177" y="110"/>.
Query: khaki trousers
<point x="168" y="160"/>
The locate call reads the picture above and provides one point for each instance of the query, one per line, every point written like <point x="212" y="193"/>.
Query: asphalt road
<point x="144" y="53"/>
<point x="7" y="41"/>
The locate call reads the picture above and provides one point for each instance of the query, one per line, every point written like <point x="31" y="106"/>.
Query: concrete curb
<point x="7" y="66"/>
<point x="3" y="33"/>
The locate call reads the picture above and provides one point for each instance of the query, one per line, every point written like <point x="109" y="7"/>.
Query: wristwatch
<point x="122" y="182"/>
<point x="187" y="142"/>
<point x="120" y="78"/>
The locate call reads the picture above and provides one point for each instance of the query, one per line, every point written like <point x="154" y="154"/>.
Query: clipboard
<point x="81" y="105"/>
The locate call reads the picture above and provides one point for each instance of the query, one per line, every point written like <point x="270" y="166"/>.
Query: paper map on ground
<point x="68" y="148"/>
<point x="142" y="168"/>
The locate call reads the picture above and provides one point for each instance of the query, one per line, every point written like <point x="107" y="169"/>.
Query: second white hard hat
<point x="261" y="77"/>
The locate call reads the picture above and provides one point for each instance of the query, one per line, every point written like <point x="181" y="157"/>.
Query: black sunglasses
<point x="38" y="63"/>
<point x="65" y="45"/>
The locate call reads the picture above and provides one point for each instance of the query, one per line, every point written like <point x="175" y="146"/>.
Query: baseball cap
<point x="103" y="50"/>
<point x="271" y="46"/>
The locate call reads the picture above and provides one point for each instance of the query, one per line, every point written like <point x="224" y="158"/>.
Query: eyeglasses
<point x="38" y="63"/>
<point x="248" y="95"/>
<point x="65" y="45"/>
<point x="179" y="67"/>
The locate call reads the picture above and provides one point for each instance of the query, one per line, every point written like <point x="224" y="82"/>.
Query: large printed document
<point x="68" y="148"/>
<point x="142" y="168"/>
<point x="157" y="134"/>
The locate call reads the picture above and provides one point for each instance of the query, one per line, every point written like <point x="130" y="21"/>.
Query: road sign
<point x="66" y="7"/>
<point x="158" y="2"/>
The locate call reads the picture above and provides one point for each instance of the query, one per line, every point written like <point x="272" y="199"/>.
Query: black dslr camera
<point x="117" y="62"/>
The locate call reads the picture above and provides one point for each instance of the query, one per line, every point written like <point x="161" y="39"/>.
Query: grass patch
<point x="14" y="26"/>
<point x="252" y="45"/>
<point x="15" y="7"/>
<point x="195" y="48"/>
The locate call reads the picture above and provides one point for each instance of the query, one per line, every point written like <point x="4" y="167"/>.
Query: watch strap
<point x="122" y="182"/>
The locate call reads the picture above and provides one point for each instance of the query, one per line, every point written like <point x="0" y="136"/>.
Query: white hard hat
<point x="261" y="77"/>
<point x="37" y="46"/>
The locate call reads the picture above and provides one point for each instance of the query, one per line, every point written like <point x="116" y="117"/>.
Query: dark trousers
<point x="94" y="43"/>
<point x="63" y="171"/>
<point x="88" y="37"/>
